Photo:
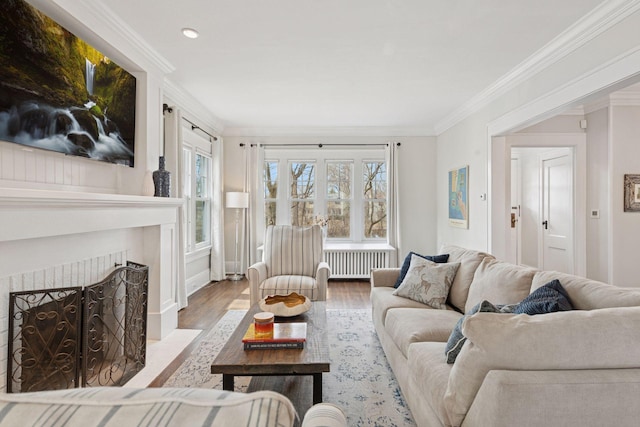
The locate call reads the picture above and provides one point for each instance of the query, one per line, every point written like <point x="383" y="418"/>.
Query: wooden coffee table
<point x="312" y="360"/>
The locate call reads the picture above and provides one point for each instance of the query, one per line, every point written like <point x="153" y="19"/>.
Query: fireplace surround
<point x="66" y="238"/>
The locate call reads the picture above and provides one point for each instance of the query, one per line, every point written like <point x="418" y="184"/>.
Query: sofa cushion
<point x="428" y="282"/>
<point x="546" y="299"/>
<point x="407" y="263"/>
<point x="587" y="294"/>
<point x="382" y="300"/>
<point x="409" y="325"/>
<point x="499" y="282"/>
<point x="469" y="260"/>
<point x="564" y="340"/>
<point x="431" y="375"/>
<point x="456" y="338"/>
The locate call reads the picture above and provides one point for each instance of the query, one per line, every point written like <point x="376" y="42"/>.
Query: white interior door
<point x="557" y="211"/>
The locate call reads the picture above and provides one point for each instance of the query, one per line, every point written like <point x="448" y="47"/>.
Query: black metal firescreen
<point x="97" y="335"/>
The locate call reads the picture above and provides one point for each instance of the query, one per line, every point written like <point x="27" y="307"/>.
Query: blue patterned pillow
<point x="407" y="262"/>
<point x="549" y="298"/>
<point x="456" y="339"/>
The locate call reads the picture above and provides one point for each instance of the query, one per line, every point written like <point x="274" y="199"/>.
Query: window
<point x="270" y="181"/>
<point x="197" y="164"/>
<point x="302" y="197"/>
<point x="339" y="178"/>
<point x="202" y="199"/>
<point x="375" y="199"/>
<point x="348" y="187"/>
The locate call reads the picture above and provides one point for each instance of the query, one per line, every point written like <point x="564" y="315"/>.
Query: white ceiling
<point x="344" y="63"/>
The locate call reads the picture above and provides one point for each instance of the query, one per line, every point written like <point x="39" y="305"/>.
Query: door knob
<point x="513" y="220"/>
<point x="546" y="224"/>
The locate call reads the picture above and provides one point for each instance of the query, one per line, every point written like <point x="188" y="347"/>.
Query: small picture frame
<point x="631" y="193"/>
<point x="459" y="197"/>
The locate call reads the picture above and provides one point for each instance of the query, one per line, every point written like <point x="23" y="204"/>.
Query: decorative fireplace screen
<point x="94" y="336"/>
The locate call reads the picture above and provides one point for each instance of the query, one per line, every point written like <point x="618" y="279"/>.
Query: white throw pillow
<point x="428" y="282"/>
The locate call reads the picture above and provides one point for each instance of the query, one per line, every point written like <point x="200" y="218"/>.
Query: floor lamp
<point x="237" y="201"/>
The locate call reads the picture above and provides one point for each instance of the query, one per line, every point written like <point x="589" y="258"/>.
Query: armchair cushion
<point x="284" y="285"/>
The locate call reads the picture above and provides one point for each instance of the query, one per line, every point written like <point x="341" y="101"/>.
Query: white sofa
<point x="570" y="368"/>
<point x="189" y="407"/>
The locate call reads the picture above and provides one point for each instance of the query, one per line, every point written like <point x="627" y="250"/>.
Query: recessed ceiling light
<point x="190" y="32"/>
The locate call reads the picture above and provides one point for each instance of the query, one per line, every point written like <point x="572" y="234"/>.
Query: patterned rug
<point x="360" y="381"/>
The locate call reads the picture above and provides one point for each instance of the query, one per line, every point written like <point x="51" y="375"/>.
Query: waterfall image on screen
<point x="58" y="93"/>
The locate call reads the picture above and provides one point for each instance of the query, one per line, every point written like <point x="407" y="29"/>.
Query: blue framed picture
<point x="459" y="197"/>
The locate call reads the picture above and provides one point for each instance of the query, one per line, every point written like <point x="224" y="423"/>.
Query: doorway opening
<point x="542" y="209"/>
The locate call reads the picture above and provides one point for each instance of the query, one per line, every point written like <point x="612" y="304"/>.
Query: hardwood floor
<point x="209" y="304"/>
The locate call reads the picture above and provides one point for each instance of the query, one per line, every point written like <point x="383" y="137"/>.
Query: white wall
<point x="598" y="194"/>
<point x="417" y="167"/>
<point x="624" y="151"/>
<point x="596" y="67"/>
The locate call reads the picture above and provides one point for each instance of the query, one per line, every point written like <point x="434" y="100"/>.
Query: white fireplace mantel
<point x="28" y="215"/>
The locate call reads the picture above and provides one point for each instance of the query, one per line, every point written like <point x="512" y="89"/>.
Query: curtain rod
<point x="322" y="145"/>
<point x="195" y="126"/>
<point x="165" y="108"/>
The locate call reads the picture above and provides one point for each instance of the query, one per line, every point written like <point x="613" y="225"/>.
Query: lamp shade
<point x="237" y="200"/>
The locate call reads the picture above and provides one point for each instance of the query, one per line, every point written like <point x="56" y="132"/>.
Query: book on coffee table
<point x="285" y="335"/>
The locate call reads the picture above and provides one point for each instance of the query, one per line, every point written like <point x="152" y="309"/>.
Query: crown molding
<point x="600" y="19"/>
<point x="328" y="131"/>
<point x="192" y="107"/>
<point x="97" y="17"/>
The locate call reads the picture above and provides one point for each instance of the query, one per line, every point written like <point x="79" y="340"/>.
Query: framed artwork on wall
<point x="631" y="193"/>
<point x="58" y="93"/>
<point x="459" y="197"/>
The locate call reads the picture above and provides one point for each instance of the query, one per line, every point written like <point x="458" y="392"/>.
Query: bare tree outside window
<point x="302" y="195"/>
<point x="270" y="180"/>
<point x="375" y="199"/>
<point x="339" y="175"/>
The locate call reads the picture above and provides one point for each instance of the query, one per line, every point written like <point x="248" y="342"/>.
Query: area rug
<point x="360" y="381"/>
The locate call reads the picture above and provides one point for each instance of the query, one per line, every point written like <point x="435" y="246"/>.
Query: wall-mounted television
<point x="58" y="93"/>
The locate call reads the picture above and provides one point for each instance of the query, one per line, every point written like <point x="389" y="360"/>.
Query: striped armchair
<point x="170" y="407"/>
<point x="292" y="261"/>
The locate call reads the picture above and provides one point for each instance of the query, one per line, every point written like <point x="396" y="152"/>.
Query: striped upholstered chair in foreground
<point x="292" y="261"/>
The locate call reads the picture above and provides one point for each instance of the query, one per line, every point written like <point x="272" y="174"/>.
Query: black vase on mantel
<point x="162" y="181"/>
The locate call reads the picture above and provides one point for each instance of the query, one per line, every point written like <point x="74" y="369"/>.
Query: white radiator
<point x="349" y="263"/>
